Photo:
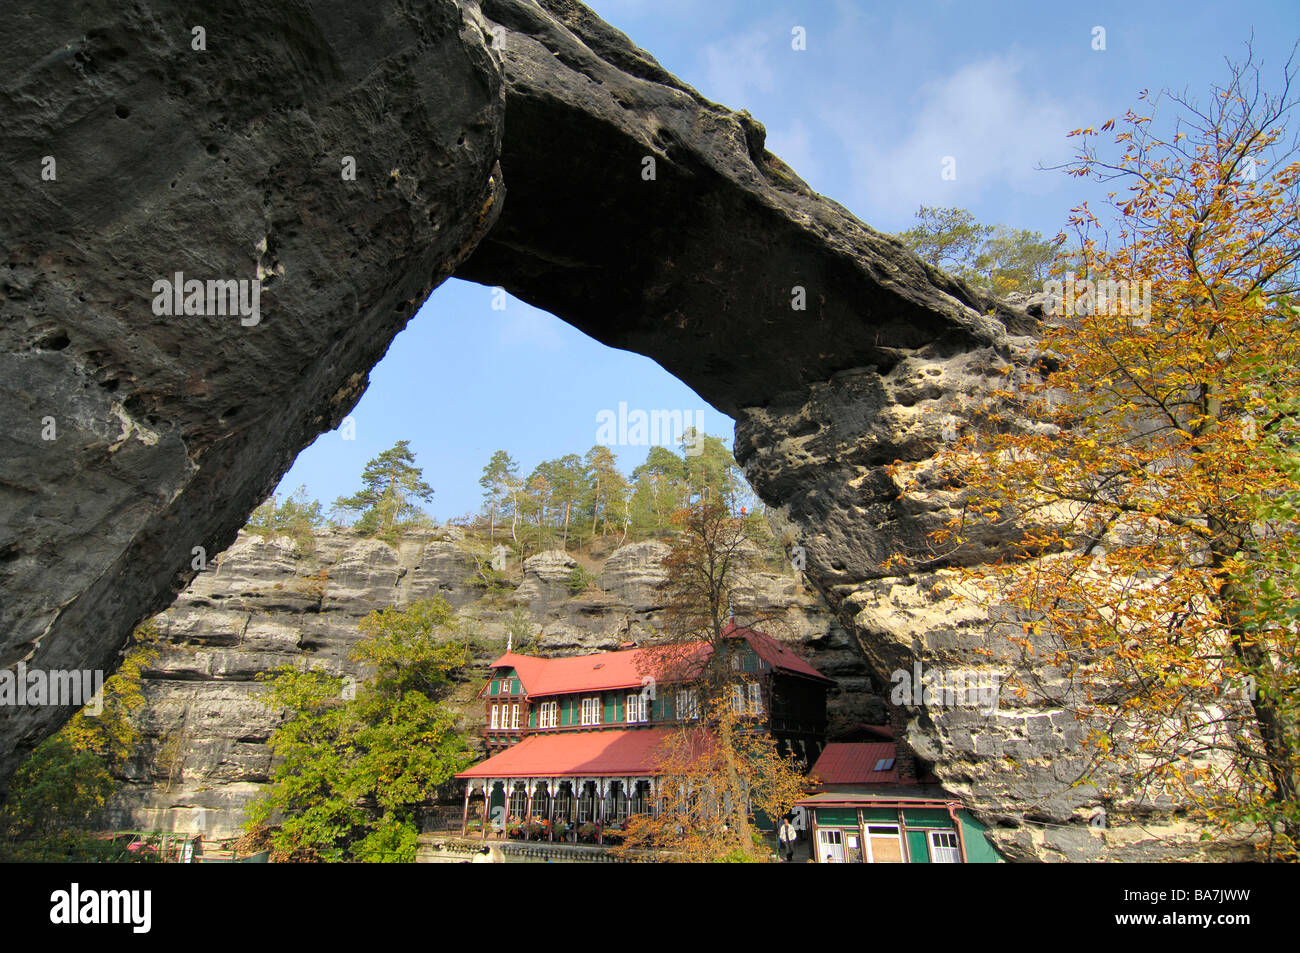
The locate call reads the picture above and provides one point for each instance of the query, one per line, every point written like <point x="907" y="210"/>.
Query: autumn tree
<point x="1145" y="459"/>
<point x="720" y="767"/>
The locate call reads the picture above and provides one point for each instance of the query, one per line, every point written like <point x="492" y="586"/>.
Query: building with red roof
<point x="576" y="741"/>
<point x="869" y="807"/>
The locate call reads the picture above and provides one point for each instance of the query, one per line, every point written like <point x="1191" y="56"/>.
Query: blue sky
<point x="865" y="114"/>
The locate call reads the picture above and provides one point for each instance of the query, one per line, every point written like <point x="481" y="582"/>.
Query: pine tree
<point x="392" y="485"/>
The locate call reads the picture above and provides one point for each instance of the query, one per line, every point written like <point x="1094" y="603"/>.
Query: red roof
<point x="774" y="653"/>
<point x="856" y="764"/>
<point x="612" y="753"/>
<point x="576" y="673"/>
<point x="629" y="668"/>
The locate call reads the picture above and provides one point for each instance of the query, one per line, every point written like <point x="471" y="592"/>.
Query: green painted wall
<point x="978" y="848"/>
<point x="927" y="818"/>
<point x="837" y="816"/>
<point x="884" y="815"/>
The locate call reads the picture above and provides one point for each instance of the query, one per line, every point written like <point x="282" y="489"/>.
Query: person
<point x="786" y="836"/>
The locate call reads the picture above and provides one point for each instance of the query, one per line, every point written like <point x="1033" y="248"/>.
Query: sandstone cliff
<point x="271" y="601"/>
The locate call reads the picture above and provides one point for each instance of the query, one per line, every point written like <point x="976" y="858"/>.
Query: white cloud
<point x="522" y="326"/>
<point x="737" y="67"/>
<point x="793" y="144"/>
<point x="987" y="116"/>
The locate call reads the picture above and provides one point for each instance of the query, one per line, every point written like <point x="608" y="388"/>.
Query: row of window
<point x="746" y="700"/>
<point x="884" y="845"/>
<point x="505" y="717"/>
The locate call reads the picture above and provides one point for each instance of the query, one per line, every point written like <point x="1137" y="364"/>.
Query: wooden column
<point x="550" y="811"/>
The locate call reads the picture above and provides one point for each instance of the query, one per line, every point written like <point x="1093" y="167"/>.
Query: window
<point x="495" y="717"/>
<point x="747" y="699"/>
<point x="640" y="798"/>
<point x="587" y="803"/>
<point x="591" y="711"/>
<point x="884" y="844"/>
<point x="518" y="800"/>
<point x="548" y="715"/>
<point x="944" y="848"/>
<point x="564" y="801"/>
<point x="636" y="709"/>
<point x="514" y="716"/>
<point x="688" y="704"/>
<point x="617" y="802"/>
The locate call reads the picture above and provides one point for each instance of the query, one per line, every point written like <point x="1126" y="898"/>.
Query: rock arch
<point x="504" y="142"/>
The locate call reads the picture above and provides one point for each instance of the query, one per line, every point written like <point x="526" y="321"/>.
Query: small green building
<point x="865" y="811"/>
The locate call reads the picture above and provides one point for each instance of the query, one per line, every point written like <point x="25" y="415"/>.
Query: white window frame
<point x="548" y="715"/>
<point x="944" y="853"/>
<point x="756" y="699"/>
<point x="496" y="718"/>
<point x="591" y="711"/>
<point x="514" y="717"/>
<point x="688" y="704"/>
<point x="872" y="834"/>
<point x="634" y="712"/>
<point x="738" y="699"/>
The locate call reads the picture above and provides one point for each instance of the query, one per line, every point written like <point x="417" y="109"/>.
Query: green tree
<point x="498" y="476"/>
<point x="660" y="490"/>
<point x="607" y="489"/>
<point x="354" y="773"/>
<point x="57" y="793"/>
<point x="994" y="258"/>
<point x="948" y="238"/>
<point x="535" y="500"/>
<point x="710" y="469"/>
<point x="1013" y="260"/>
<point x="296" y="516"/>
<point x="392" y="484"/>
<point x="569" y="485"/>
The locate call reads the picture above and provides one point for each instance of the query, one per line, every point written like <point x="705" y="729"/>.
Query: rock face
<point x="546" y="576"/>
<point x="270" y="602"/>
<point x="134" y="437"/>
<point x="521" y="143"/>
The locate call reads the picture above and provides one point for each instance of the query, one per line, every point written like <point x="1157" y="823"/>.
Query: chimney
<point x="904" y="757"/>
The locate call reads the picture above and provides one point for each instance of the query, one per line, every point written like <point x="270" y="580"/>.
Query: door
<point x="830" y="845"/>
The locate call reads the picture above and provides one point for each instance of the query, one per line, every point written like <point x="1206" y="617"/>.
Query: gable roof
<point x="775" y="653"/>
<point x="630" y="668"/>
